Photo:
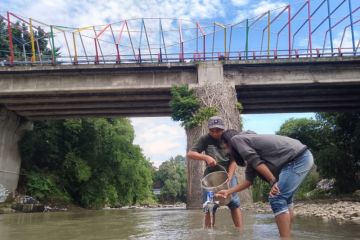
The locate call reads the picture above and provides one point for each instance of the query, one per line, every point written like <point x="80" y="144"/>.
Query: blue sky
<point x="161" y="138"/>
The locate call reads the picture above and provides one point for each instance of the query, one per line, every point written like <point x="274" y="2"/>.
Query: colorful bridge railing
<point x="319" y="28"/>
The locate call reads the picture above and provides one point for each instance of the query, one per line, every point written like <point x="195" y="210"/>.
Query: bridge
<point x="128" y="68"/>
<point x="65" y="91"/>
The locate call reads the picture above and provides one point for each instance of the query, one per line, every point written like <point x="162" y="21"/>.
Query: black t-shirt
<point x="213" y="148"/>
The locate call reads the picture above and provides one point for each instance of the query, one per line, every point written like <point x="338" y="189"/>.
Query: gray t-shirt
<point x="213" y="148"/>
<point x="272" y="150"/>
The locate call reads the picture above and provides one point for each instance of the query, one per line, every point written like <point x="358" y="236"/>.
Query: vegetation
<point x="186" y="107"/>
<point x="334" y="140"/>
<point x="90" y="162"/>
<point x="171" y="177"/>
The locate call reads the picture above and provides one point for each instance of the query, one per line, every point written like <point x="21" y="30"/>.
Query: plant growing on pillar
<point x="187" y="109"/>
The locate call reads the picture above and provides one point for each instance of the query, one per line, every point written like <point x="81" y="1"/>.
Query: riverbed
<point x="160" y="224"/>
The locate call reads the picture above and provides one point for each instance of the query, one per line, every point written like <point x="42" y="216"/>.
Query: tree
<point x="334" y="139"/>
<point x="172" y="178"/>
<point x="94" y="161"/>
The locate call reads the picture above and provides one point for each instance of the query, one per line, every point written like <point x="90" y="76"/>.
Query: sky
<point x="161" y="138"/>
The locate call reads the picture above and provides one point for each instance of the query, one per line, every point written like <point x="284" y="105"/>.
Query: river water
<point x="159" y="224"/>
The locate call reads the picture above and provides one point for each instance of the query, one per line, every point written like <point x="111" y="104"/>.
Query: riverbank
<point x="327" y="210"/>
<point x="340" y="211"/>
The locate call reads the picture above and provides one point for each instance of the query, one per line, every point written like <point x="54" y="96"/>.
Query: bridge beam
<point x="12" y="128"/>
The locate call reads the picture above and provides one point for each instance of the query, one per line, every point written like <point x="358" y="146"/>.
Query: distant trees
<point x="172" y="178"/>
<point x="91" y="162"/>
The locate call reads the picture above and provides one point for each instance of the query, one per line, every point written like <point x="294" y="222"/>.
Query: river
<point x="159" y="224"/>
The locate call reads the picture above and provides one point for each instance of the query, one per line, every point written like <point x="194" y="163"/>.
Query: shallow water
<point x="159" y="224"/>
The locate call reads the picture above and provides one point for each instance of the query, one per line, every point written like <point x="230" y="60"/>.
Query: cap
<point x="216" y="122"/>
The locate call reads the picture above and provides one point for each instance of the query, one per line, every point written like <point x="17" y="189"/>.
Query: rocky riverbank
<point x="339" y="211"/>
<point x="342" y="211"/>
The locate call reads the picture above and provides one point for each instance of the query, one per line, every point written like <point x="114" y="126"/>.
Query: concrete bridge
<point x="288" y="85"/>
<point x="67" y="91"/>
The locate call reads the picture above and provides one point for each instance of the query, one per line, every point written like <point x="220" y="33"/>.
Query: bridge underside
<point x="155" y="103"/>
<point x="80" y="105"/>
<point x="300" y="98"/>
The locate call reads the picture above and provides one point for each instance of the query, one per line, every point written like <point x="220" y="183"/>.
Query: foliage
<point x="183" y="103"/>
<point x="44" y="188"/>
<point x="186" y="107"/>
<point x="334" y="139"/>
<point x="200" y="116"/>
<point x="339" y="157"/>
<point x="308" y="185"/>
<point x="172" y="178"/>
<point x="94" y="160"/>
<point x="260" y="190"/>
<point x="239" y="107"/>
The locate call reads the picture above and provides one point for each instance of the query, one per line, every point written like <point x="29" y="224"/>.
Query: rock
<point x="356" y="194"/>
<point x="325" y="184"/>
<point x="356" y="220"/>
<point x="6" y="210"/>
<point x="28" y="207"/>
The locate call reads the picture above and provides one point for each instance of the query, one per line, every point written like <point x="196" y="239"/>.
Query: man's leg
<point x="237" y="217"/>
<point x="234" y="206"/>
<point x="283" y="222"/>
<point x="291" y="212"/>
<point x="207" y="221"/>
<point x="290" y="178"/>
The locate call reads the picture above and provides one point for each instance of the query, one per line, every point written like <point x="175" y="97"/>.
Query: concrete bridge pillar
<point x="213" y="90"/>
<point x="12" y="128"/>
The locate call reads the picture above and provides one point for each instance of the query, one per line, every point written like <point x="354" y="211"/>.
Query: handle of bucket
<point x="217" y="165"/>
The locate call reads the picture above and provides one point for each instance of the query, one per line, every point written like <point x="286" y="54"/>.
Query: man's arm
<point x="238" y="188"/>
<point x="202" y="157"/>
<point x="264" y="171"/>
<point x="231" y="169"/>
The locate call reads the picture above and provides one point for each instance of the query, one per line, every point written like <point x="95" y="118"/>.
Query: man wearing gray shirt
<point x="282" y="161"/>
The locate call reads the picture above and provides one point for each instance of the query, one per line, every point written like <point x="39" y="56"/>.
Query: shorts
<point x="290" y="178"/>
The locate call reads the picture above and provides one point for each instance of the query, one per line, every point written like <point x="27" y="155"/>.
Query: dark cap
<point x="216" y="122"/>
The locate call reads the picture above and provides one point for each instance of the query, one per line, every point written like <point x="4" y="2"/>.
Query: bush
<point x="44" y="188"/>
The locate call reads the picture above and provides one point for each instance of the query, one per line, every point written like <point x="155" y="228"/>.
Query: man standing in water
<point x="281" y="161"/>
<point x="215" y="154"/>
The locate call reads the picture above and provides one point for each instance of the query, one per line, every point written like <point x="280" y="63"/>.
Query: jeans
<point x="235" y="199"/>
<point x="290" y="178"/>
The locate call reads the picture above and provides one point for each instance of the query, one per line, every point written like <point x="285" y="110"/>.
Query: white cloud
<point x="239" y="2"/>
<point x="258" y="8"/>
<point x="160" y="138"/>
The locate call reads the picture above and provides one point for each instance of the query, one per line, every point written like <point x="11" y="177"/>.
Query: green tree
<point x="334" y="139"/>
<point x="94" y="160"/>
<point x="172" y="178"/>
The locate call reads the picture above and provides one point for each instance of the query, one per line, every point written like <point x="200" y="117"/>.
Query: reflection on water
<point x="159" y="224"/>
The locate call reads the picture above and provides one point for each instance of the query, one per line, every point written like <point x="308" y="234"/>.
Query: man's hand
<point x="274" y="190"/>
<point x="210" y="161"/>
<point x="222" y="194"/>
